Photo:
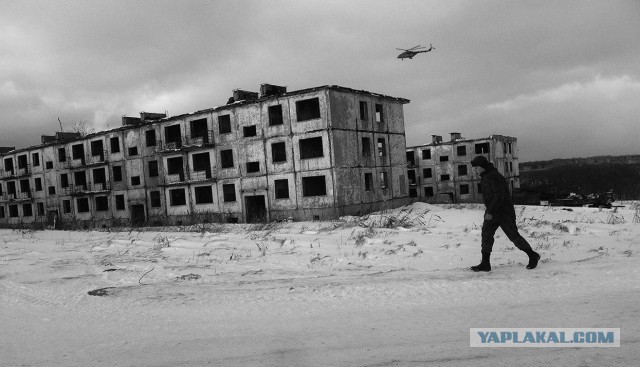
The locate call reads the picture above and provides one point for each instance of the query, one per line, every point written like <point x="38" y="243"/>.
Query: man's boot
<point x="534" y="257"/>
<point x="485" y="265"/>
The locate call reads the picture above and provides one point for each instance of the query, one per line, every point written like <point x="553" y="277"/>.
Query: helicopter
<point x="410" y="53"/>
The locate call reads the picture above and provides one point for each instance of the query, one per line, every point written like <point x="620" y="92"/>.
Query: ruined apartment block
<point x="309" y="154"/>
<point x="441" y="172"/>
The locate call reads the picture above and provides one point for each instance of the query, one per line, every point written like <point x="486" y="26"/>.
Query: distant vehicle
<point x="411" y="52"/>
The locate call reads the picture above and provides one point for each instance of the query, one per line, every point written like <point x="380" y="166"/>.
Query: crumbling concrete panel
<point x="311" y="164"/>
<point x="344" y="110"/>
<point x="321" y="123"/>
<point x="345" y="147"/>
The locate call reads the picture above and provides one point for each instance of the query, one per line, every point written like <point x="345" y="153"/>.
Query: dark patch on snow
<point x="189" y="277"/>
<point x="106" y="270"/>
<point x="100" y="292"/>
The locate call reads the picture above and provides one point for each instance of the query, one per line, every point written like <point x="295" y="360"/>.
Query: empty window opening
<point x="62" y="155"/>
<point x="413" y="193"/>
<point x="253" y="167"/>
<point x="97" y="149"/>
<point x="133" y="151"/>
<point x="117" y="173"/>
<point x="384" y="180"/>
<point x="204" y="195"/>
<point x="461" y="151"/>
<point x="308" y="109"/>
<point x="249" y="131"/>
<point x="150" y="138"/>
<point x="38" y="184"/>
<point x="66" y="206"/>
<point x="102" y="203"/>
<point x="445" y="177"/>
<point x="314" y="186"/>
<point x="226" y="158"/>
<point x="11" y="188"/>
<point x="411" y="175"/>
<point x="119" y="202"/>
<point x="427" y="173"/>
<point x="411" y="159"/>
<point x="202" y="163"/>
<point x="35" y="158"/>
<point x="177" y="197"/>
<point x="49" y="165"/>
<point x="155" y="199"/>
<point x="199" y="129"/>
<point x="482" y="148"/>
<point x="311" y="148"/>
<point x="175" y="167"/>
<point x="428" y="191"/>
<point x="77" y="151"/>
<point x="52" y="190"/>
<point x="40" y="209"/>
<point x="510" y="148"/>
<point x="25" y="187"/>
<point x="153" y="169"/>
<point x="135" y="180"/>
<point x="464" y="189"/>
<point x="27" y="210"/>
<point x="82" y="205"/>
<point x="479" y="188"/>
<point x="462" y="170"/>
<point x="275" y="115"/>
<point x="8" y="165"/>
<point x="382" y="148"/>
<point x="64" y="180"/>
<point x="99" y="176"/>
<point x="444" y="158"/>
<point x="379" y="113"/>
<point x="368" y="181"/>
<point x="115" y="144"/>
<point x="364" y="111"/>
<point x="173" y="135"/>
<point x="22" y="161"/>
<point x="229" y="193"/>
<point x="224" y="124"/>
<point x="278" y="152"/>
<point x="281" y="188"/>
<point x="80" y="179"/>
<point x="1" y="212"/>
<point x="13" y="211"/>
<point x="366" y="147"/>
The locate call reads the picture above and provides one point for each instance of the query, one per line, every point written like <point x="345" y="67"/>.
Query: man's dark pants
<point x="508" y="225"/>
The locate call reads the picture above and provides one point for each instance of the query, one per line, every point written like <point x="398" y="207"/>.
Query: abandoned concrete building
<point x="440" y="172"/>
<point x="310" y="154"/>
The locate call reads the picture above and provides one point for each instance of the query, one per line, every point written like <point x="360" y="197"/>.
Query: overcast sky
<point x="561" y="76"/>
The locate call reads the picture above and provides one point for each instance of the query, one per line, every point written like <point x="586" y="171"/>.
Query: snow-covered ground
<point x="390" y="289"/>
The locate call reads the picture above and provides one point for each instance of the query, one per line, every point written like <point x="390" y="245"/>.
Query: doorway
<point x="255" y="208"/>
<point x="137" y="215"/>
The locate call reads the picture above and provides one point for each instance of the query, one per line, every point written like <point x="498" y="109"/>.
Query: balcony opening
<point x="175" y="167"/>
<point x="199" y="129"/>
<point x="80" y="179"/>
<point x="97" y="149"/>
<point x="99" y="176"/>
<point x="202" y="163"/>
<point x="173" y="136"/>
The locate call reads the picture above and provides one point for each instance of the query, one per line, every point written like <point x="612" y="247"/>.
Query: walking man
<point x="499" y="213"/>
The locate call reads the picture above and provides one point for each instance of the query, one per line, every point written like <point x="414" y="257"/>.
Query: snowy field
<point x="390" y="289"/>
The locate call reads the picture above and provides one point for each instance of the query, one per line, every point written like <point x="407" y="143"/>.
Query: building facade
<point x="440" y="172"/>
<point x="309" y="154"/>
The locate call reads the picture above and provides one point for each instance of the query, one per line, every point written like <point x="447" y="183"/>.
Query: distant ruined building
<point x="310" y="154"/>
<point x="440" y="172"/>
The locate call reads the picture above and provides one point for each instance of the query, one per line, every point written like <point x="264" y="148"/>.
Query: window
<point x="80" y="179"/>
<point x="96" y="148"/>
<point x="66" y="206"/>
<point x="249" y="131"/>
<point x="38" y="183"/>
<point x="461" y="150"/>
<point x="482" y="148"/>
<point x="308" y="109"/>
<point x="115" y="144"/>
<point x="27" y="210"/>
<point x="199" y="130"/>
<point x="153" y="168"/>
<point x="510" y="166"/>
<point x="40" y="209"/>
<point x="177" y="197"/>
<point x="0" y="188"/>
<point x="281" y="188"/>
<point x="379" y="114"/>
<point x="49" y="165"/>
<point x="368" y="181"/>
<point x="99" y="176"/>
<point x="275" y="115"/>
<point x="384" y="180"/>
<point x="11" y="188"/>
<point x="311" y="148"/>
<point x="366" y="147"/>
<point x="8" y="164"/>
<point x="464" y="189"/>
<point x="314" y="186"/>
<point x="224" y="124"/>
<point x="427" y="173"/>
<point x="229" y="192"/>
<point x="226" y="158"/>
<point x="155" y="199"/>
<point x="135" y="180"/>
<point x="22" y="161"/>
<point x="102" y="203"/>
<point x="510" y="148"/>
<point x="25" y="187"/>
<point x="83" y="205"/>
<point x="444" y="178"/>
<point x="201" y="163"/>
<point x="64" y="180"/>
<point x="1" y="212"/>
<point x="426" y="154"/>
<point x="444" y="158"/>
<point x="77" y="151"/>
<point x="479" y="188"/>
<point x="253" y="167"/>
<point x="35" y="158"/>
<point x="204" y="195"/>
<point x="13" y="211"/>
<point x="52" y="190"/>
<point x="175" y="167"/>
<point x="119" y="202"/>
<point x="411" y="159"/>
<point x="278" y="152"/>
<point x="62" y="155"/>
<point x="150" y="137"/>
<point x="117" y="173"/>
<point x="462" y="170"/>
<point x="382" y="148"/>
<point x="133" y="151"/>
<point x="173" y="135"/>
<point x="364" y="111"/>
<point x="428" y="191"/>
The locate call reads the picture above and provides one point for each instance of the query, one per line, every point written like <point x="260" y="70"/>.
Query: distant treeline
<point x="584" y="176"/>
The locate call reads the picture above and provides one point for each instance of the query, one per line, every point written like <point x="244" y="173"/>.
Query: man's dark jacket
<point x="495" y="194"/>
